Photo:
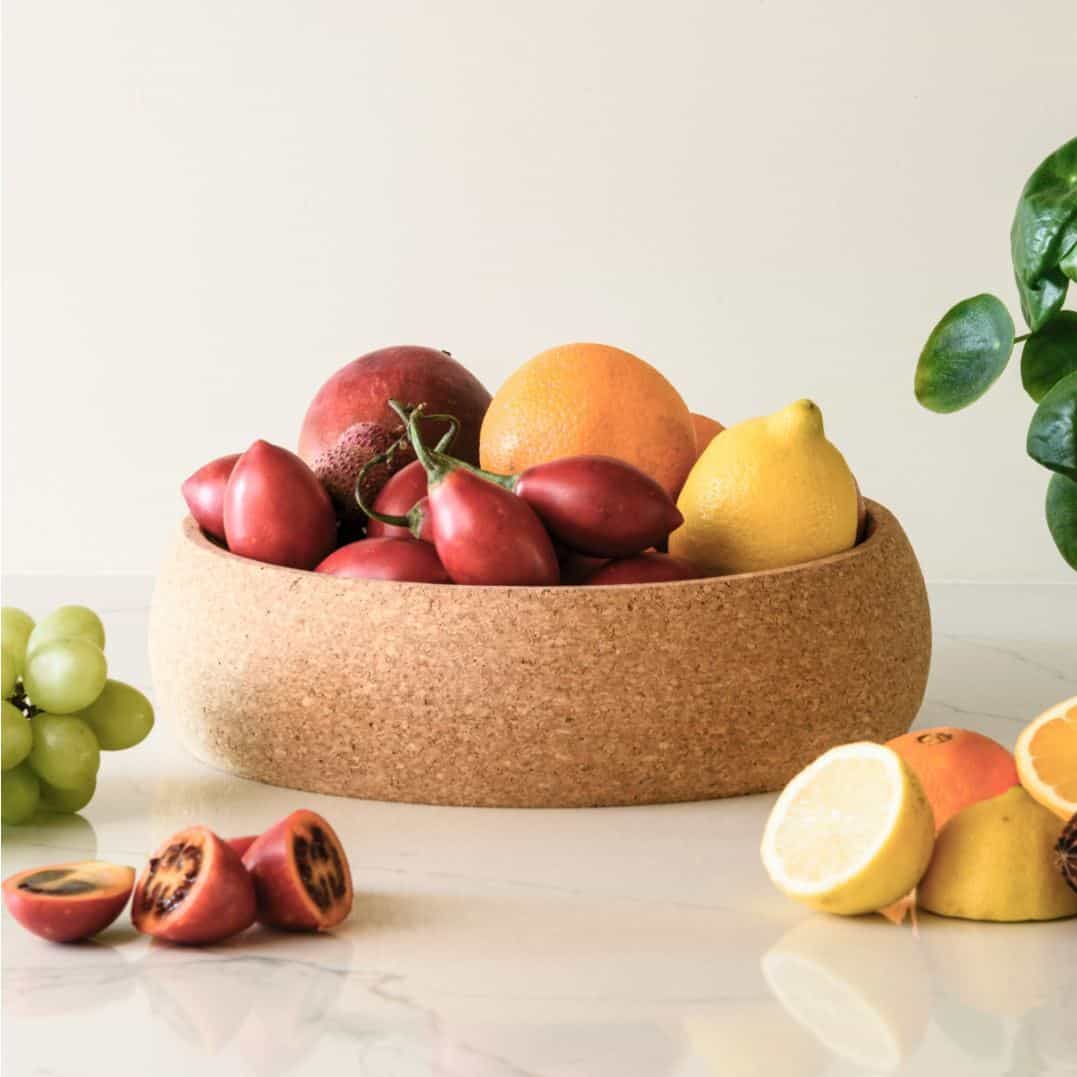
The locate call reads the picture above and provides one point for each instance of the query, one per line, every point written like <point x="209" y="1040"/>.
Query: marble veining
<point x="637" y="942"/>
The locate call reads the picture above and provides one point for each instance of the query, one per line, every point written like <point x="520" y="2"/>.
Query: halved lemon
<point x="851" y="833"/>
<point x="1046" y="755"/>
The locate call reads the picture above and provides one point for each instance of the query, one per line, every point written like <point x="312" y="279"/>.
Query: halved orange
<point x="1046" y="754"/>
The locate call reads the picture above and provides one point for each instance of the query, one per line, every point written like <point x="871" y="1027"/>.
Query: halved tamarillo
<point x="647" y="567"/>
<point x="242" y="844"/>
<point x="484" y="535"/>
<point x="403" y="559"/>
<point x="65" y="902"/>
<point x="301" y="874"/>
<point x="194" y="890"/>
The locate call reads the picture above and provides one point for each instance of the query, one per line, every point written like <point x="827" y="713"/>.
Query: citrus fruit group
<point x="956" y="767"/>
<point x="589" y="399"/>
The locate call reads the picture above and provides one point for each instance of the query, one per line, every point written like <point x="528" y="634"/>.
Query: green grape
<point x="67" y="622"/>
<point x="67" y="800"/>
<point x="121" y="716"/>
<point x="65" y="676"/>
<point x="10" y="670"/>
<point x="19" y="795"/>
<point x="17" y="736"/>
<point x="65" y="751"/>
<point x="16" y="626"/>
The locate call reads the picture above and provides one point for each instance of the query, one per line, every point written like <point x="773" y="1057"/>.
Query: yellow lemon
<point x="995" y="860"/>
<point x="851" y="833"/>
<point x="769" y="492"/>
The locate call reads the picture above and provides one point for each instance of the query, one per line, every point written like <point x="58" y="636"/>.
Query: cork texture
<point x="537" y="697"/>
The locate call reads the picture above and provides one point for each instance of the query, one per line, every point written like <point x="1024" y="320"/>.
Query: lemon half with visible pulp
<point x="851" y="833"/>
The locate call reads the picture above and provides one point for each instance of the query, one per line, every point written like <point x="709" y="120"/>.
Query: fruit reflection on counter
<point x="60" y="711"/>
<point x="197" y="888"/>
<point x="855" y="831"/>
<point x="586" y="451"/>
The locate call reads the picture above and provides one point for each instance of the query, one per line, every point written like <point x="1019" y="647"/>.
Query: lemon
<point x="769" y="492"/>
<point x="995" y="860"/>
<point x="852" y="832"/>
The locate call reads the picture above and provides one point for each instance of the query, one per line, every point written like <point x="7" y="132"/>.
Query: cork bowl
<point x="537" y="697"/>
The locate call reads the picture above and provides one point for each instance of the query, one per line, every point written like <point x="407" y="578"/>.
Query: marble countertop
<point x="637" y="942"/>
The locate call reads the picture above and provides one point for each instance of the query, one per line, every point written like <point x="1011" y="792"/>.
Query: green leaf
<point x="1041" y="234"/>
<point x="1062" y="516"/>
<point x="1052" y="434"/>
<point x="965" y="354"/>
<point x="1050" y="354"/>
<point x="1068" y="265"/>
<point x="1041" y="301"/>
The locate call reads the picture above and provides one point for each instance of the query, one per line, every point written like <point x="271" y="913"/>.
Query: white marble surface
<point x="639" y="942"/>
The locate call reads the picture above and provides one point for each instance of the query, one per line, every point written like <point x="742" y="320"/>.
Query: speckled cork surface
<point x="537" y="697"/>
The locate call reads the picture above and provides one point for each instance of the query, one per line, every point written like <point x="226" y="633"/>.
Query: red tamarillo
<point x="483" y="534"/>
<point x="648" y="567"/>
<point x="403" y="559"/>
<point x="204" y="494"/>
<point x="405" y="491"/>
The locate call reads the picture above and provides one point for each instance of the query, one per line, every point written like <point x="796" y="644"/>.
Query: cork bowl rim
<point x="879" y="520"/>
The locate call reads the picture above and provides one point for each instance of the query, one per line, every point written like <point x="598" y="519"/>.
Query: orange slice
<point x="1046" y="755"/>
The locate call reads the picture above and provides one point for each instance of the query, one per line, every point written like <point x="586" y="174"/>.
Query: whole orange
<point x="589" y="398"/>
<point x="956" y="767"/>
<point x="706" y="429"/>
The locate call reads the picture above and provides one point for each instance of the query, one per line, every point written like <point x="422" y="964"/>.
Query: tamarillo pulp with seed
<point x="301" y="875"/>
<point x="194" y="890"/>
<point x="403" y="494"/>
<point x="484" y="535"/>
<point x="402" y="559"/>
<point x="598" y="505"/>
<point x="204" y="493"/>
<point x="643" y="568"/>
<point x="66" y="902"/>
<point x="1066" y="852"/>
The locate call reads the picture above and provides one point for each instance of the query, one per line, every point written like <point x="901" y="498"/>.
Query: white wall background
<point x="212" y="205"/>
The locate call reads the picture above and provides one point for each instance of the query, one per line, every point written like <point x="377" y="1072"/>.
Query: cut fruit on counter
<point x="996" y="861"/>
<point x="1046" y="754"/>
<point x="851" y="833"/>
<point x="956" y="767"/>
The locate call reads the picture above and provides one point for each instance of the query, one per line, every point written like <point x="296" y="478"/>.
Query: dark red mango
<point x="276" y="510"/>
<point x="403" y="492"/>
<point x="598" y="505"/>
<point x="404" y="559"/>
<point x="204" y="494"/>
<point x="643" y="568"/>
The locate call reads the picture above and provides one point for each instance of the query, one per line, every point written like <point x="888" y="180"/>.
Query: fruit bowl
<point x="537" y="697"/>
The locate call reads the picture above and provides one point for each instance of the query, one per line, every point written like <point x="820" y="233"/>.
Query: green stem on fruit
<point x="1023" y="336"/>
<point x="374" y="461"/>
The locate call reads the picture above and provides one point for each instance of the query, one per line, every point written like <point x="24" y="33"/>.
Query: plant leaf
<point x="965" y="354"/>
<point x="1062" y="517"/>
<point x="1041" y="301"/>
<point x="1052" y="434"/>
<point x="1068" y="265"/>
<point x="1050" y="354"/>
<point x="1042" y="233"/>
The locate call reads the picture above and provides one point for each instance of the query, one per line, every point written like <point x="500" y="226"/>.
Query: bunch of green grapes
<point x="60" y="710"/>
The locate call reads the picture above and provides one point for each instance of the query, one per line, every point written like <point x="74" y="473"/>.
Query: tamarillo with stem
<point x="483" y="533"/>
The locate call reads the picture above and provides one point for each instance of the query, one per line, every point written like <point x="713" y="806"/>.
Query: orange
<point x="706" y="431"/>
<point x="589" y="398"/>
<point x="1047" y="758"/>
<point x="956" y="767"/>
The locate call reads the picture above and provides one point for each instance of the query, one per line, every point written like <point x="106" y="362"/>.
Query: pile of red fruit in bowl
<point x="386" y="486"/>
